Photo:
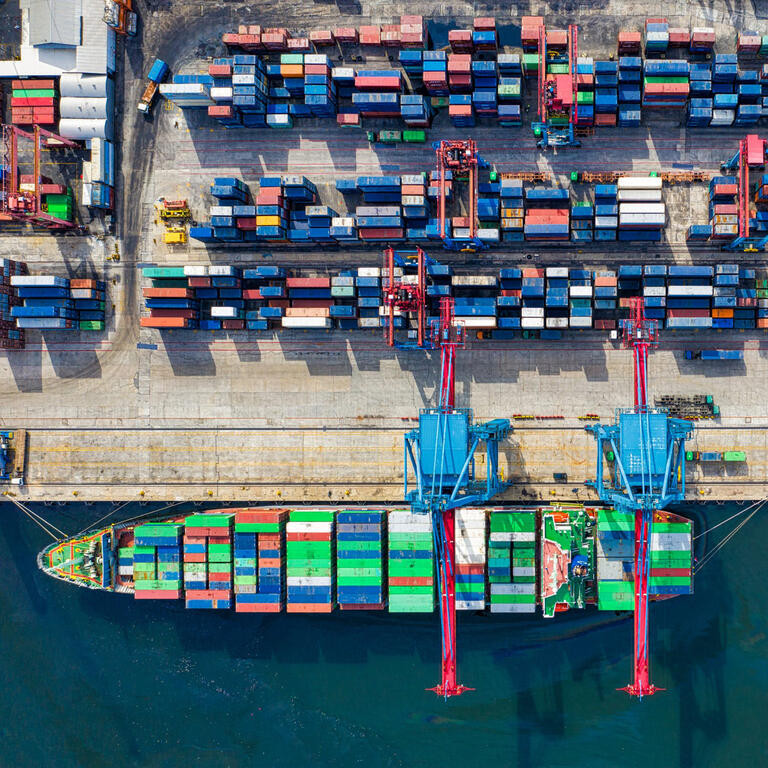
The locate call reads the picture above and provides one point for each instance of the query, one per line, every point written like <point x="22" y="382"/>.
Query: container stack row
<point x="512" y="561"/>
<point x="660" y="38"/>
<point x="99" y="175"/>
<point x="615" y="551"/>
<point x="157" y="561"/>
<point x="411" y="563"/>
<point x="11" y="336"/>
<point x="310" y="561"/>
<point x="208" y="560"/>
<point x="670" y="556"/>
<point x="360" y="551"/>
<point x="33" y="102"/>
<point x="470" y="557"/>
<point x="52" y="302"/>
<point x="259" y="548"/>
<point x="642" y="213"/>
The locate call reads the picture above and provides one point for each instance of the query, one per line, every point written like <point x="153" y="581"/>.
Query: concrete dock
<point x="292" y="417"/>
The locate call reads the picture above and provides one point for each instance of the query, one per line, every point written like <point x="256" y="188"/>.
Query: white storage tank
<point x="86" y="108"/>
<point x="79" y="128"/>
<point x="78" y="85"/>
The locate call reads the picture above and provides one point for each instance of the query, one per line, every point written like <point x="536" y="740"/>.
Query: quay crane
<point x="441" y="455"/>
<point x="751" y="154"/>
<point x="649" y="455"/>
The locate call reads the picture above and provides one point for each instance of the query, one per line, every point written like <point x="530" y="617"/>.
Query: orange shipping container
<point x="168" y="293"/>
<point x="722" y="313"/>
<point x="163" y="322"/>
<point x="81" y="283"/>
<point x="292" y="70"/>
<point x="605" y="281"/>
<point x="307" y="312"/>
<point x="308" y="608"/>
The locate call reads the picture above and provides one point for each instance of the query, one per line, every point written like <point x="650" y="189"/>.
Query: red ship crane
<point x="640" y="333"/>
<point x="459" y="157"/>
<point x="448" y="336"/>
<point x="27" y="205"/>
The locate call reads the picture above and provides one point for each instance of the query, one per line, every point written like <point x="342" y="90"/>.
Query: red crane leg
<point x="449" y="685"/>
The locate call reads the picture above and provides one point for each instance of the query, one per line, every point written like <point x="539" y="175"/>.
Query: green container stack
<point x="513" y="552"/>
<point x="615" y="549"/>
<point x="157" y="561"/>
<point x="411" y="563"/>
<point x="671" y="557"/>
<point x="125" y="562"/>
<point x="208" y="560"/>
<point x="360" y="559"/>
<point x="310" y="561"/>
<point x="470" y="558"/>
<point x="60" y="206"/>
<point x="531" y="64"/>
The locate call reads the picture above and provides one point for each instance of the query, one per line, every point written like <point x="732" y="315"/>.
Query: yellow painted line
<point x="207" y="448"/>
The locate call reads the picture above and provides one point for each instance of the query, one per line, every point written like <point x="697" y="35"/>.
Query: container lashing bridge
<point x="649" y="455"/>
<point x="751" y="154"/>
<point x="441" y="455"/>
<point x="558" y="107"/>
<point x="460" y="157"/>
<point x="27" y="205"/>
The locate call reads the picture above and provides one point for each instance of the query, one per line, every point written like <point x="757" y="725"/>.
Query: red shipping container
<point x="233" y="325"/>
<point x="168" y="293"/>
<point x="270" y="562"/>
<point x="529" y="272"/>
<point x="321" y="37"/>
<point x="605" y="325"/>
<point x="665" y="572"/>
<point x="345" y="34"/>
<point x="370" y="35"/>
<point x="54" y="189"/>
<point x="306" y="536"/>
<point x="199" y="282"/>
<point x="605" y="119"/>
<point x="308" y="607"/>
<point x="460" y="221"/>
<point x="725" y="209"/>
<point x="221" y="110"/>
<point x="460" y="81"/>
<point x="206" y="531"/>
<point x="253" y="29"/>
<point x="378" y="83"/>
<point x="163" y="322"/>
<point x="361" y="606"/>
<point x="511" y="292"/>
<point x="317" y="69"/>
<point x="755" y="149"/>
<point x="259" y="515"/>
<point x="723" y="190"/>
<point x="246" y="222"/>
<point x="470" y="568"/>
<point x="279" y="303"/>
<point x="251" y="293"/>
<point x="412" y="20"/>
<point x="157" y="594"/>
<point x="460" y="110"/>
<point x="557" y="37"/>
<point x="687" y="312"/>
<point x="605" y="281"/>
<point x="269" y="196"/>
<point x="188" y="313"/>
<point x="410" y="581"/>
<point x="485" y="23"/>
<point x="195" y="557"/>
<point x="195" y="539"/>
<point x="308" y="282"/>
<point x="348" y="118"/>
<point x="459" y="63"/>
<point x="258" y="607"/>
<point x="32" y="84"/>
<point x="299" y="44"/>
<point x="32" y="102"/>
<point x="380" y="233"/>
<point x="679" y="36"/>
<point x="81" y="282"/>
<point x="219" y="70"/>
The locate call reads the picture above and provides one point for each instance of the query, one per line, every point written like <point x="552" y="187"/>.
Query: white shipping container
<point x="319" y="526"/>
<point x="723" y="117"/>
<point x="308" y="581"/>
<point x="409" y="279"/>
<point x="476" y="323"/>
<point x="413" y="199"/>
<point x="368" y="322"/>
<point x="532" y="311"/>
<point x="514" y="589"/>
<point x="477" y="281"/>
<point x="39" y="281"/>
<point x="384" y="311"/>
<point x="580" y="322"/>
<point x="338" y="221"/>
<point x="532" y="322"/>
<point x="639" y="182"/>
<point x="689" y="290"/>
<point x="461" y="233"/>
<point x="221" y="94"/>
<point x="654" y="290"/>
<point x="341" y="73"/>
<point x="512" y="536"/>
<point x="671" y="542"/>
<point x="222" y="270"/>
<point x="224" y="312"/>
<point x="316" y="58"/>
<point x="519" y="571"/>
<point x="87" y="197"/>
<point x="611" y="569"/>
<point x="560" y="272"/>
<point x="412" y="178"/>
<point x="642" y="220"/>
<point x="318" y="322"/>
<point x="470" y="605"/>
<point x="557" y="322"/>
<point x="195" y="270"/>
<point x="580" y="291"/>
<point x="220" y="210"/>
<point x="125" y="570"/>
<point x="488" y="235"/>
<point x="639" y="196"/>
<point x="369" y="271"/>
<point x="650" y="208"/>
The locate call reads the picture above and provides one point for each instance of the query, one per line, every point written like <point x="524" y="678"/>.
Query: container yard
<point x="427" y="318"/>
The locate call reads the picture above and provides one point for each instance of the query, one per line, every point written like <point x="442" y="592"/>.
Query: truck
<point x="714" y="354"/>
<point x="157" y="73"/>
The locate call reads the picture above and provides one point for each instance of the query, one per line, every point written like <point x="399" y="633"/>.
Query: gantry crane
<point x="405" y="293"/>
<point x="460" y="157"/>
<point x="441" y="455"/>
<point x="557" y="95"/>
<point x="751" y="154"/>
<point x="649" y="454"/>
<point x="27" y="205"/>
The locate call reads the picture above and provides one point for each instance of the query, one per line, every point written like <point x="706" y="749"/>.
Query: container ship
<point x="257" y="560"/>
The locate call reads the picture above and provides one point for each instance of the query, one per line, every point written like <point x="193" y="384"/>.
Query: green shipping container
<point x="414" y="136"/>
<point x="155" y="272"/>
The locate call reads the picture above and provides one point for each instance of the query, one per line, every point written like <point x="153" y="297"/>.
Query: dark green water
<point x="93" y="679"/>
